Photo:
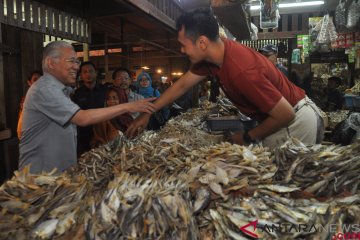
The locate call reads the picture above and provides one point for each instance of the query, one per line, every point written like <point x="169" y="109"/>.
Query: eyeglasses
<point x="144" y="80"/>
<point x="122" y="78"/>
<point x="73" y="61"/>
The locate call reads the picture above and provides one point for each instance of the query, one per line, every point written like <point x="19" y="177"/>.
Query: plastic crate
<point x="229" y="123"/>
<point x="349" y="101"/>
<point x="356" y="102"/>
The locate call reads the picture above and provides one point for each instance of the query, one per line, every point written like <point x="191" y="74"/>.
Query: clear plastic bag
<point x="254" y="32"/>
<point x="340" y="16"/>
<point x="269" y="14"/>
<point x="354" y="121"/>
<point x="353" y="14"/>
<point x="327" y="32"/>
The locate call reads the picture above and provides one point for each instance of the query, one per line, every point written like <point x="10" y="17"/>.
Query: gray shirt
<point x="133" y="97"/>
<point x="48" y="138"/>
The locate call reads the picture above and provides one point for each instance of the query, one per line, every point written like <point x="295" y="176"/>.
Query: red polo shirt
<point x="250" y="80"/>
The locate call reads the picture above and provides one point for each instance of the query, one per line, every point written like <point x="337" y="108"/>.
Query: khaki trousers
<point x="308" y="126"/>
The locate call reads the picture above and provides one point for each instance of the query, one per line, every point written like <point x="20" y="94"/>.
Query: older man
<point x="49" y="119"/>
<point x="252" y="83"/>
<point x="121" y="78"/>
<point x="271" y="52"/>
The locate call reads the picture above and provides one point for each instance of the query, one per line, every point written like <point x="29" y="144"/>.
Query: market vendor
<point x="48" y="136"/>
<point x="334" y="97"/>
<point x="250" y="81"/>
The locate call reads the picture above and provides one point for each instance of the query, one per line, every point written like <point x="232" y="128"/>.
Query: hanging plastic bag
<point x="269" y="14"/>
<point x="254" y="32"/>
<point x="354" y="14"/>
<point x="296" y="56"/>
<point x="340" y="16"/>
<point x="327" y="32"/>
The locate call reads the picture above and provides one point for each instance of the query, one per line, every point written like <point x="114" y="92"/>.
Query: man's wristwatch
<point x="247" y="139"/>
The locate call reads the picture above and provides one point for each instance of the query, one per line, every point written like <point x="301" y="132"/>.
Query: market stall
<point x="183" y="182"/>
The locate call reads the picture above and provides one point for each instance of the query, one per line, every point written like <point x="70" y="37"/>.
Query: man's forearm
<point x="92" y="116"/>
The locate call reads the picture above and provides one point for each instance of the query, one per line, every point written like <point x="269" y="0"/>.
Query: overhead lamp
<point x="295" y="4"/>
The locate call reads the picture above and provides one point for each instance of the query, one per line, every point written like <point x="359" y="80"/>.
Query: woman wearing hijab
<point x="107" y="131"/>
<point x="145" y="89"/>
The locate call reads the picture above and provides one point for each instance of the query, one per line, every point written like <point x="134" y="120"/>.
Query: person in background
<point x="34" y="76"/>
<point x="107" y="131"/>
<point x="183" y="103"/>
<point x="90" y="95"/>
<point x="122" y="77"/>
<point x="48" y="138"/>
<point x="334" y="96"/>
<point x="255" y="86"/>
<point x="204" y="91"/>
<point x="117" y="81"/>
<point x="157" y="82"/>
<point x="214" y="89"/>
<point x="271" y="52"/>
<point x="147" y="91"/>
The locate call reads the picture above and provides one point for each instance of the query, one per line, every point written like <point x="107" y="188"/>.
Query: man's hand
<point x="143" y="106"/>
<point x="138" y="125"/>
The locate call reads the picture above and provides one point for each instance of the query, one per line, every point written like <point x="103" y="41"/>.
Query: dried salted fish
<point x="202" y="199"/>
<point x="279" y="188"/>
<point x="184" y="183"/>
<point x="46" y="229"/>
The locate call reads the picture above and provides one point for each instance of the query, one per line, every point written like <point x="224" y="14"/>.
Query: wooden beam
<point x="276" y="35"/>
<point x="150" y="9"/>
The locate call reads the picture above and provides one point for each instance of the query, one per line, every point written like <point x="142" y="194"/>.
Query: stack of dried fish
<point x="320" y="170"/>
<point x="337" y="117"/>
<point x="231" y="167"/>
<point x="271" y="213"/>
<point x="354" y="90"/>
<point x="41" y="206"/>
<point x="162" y="152"/>
<point x="98" y="165"/>
<point x="182" y="183"/>
<point x="138" y="208"/>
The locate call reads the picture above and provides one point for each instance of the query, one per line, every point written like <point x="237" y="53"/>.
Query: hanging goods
<point x="269" y="14"/>
<point x="354" y="14"/>
<point x="327" y="32"/>
<point x="340" y="17"/>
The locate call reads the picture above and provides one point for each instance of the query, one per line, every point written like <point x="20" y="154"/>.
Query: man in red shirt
<point x="248" y="79"/>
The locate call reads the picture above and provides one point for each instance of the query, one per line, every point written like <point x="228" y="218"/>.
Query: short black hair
<point x="335" y="79"/>
<point x="197" y="23"/>
<point x="86" y="63"/>
<point x="120" y="69"/>
<point x="35" y="72"/>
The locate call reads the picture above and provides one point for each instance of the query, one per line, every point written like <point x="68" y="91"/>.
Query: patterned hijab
<point x="148" y="91"/>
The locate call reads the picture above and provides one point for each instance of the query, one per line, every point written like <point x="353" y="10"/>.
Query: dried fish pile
<point x="337" y="117"/>
<point x="163" y="152"/>
<point x="276" y="215"/>
<point x="226" y="167"/>
<point x="182" y="183"/>
<point x="41" y="206"/>
<point x="354" y="90"/>
<point x="139" y="208"/>
<point x="98" y="165"/>
<point x="323" y="171"/>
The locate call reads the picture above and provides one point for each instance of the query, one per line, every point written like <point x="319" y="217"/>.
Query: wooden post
<point x="86" y="52"/>
<point x="2" y="82"/>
